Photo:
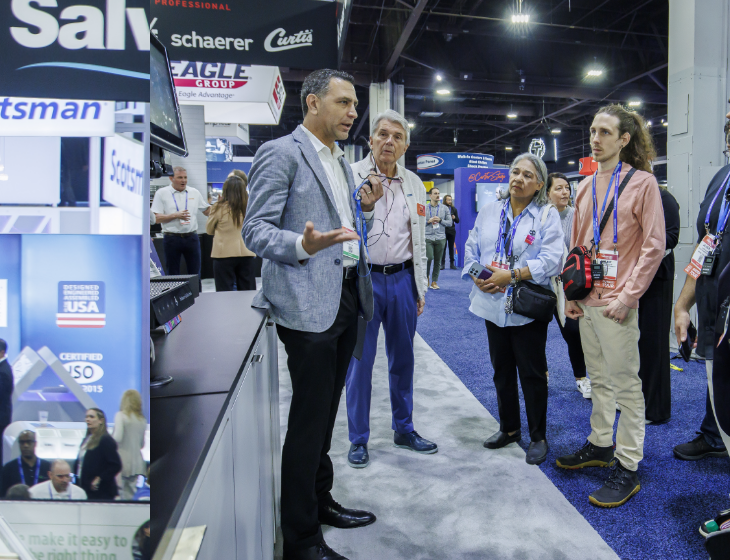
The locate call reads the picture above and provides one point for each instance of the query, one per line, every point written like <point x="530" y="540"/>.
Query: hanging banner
<point x="98" y="49"/>
<point x="124" y="174"/>
<point x="23" y="116"/>
<point x="292" y="33"/>
<point x="447" y="162"/>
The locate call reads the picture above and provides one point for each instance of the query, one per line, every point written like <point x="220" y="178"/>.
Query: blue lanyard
<point x="430" y="213"/>
<point x="175" y="201"/>
<point x="37" y="471"/>
<point x="360" y="224"/>
<point x="501" y="241"/>
<point x="596" y="224"/>
<point x="724" y="209"/>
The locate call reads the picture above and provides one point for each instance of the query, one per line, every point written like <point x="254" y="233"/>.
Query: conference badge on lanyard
<point x="351" y="249"/>
<point x="698" y="265"/>
<point x="608" y="263"/>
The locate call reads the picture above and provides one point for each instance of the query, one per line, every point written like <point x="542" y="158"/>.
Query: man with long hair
<point x="625" y="255"/>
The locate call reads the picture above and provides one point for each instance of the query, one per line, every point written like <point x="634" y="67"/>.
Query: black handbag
<point x="534" y="301"/>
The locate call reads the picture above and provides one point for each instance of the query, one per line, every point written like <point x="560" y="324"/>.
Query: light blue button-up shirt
<point x="543" y="257"/>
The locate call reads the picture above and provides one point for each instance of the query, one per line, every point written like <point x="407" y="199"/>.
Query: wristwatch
<point x="513" y="281"/>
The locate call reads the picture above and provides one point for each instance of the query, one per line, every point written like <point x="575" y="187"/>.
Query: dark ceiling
<point x="493" y="67"/>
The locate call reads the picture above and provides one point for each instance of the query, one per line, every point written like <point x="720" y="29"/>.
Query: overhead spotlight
<point x="443" y="91"/>
<point x="571" y="162"/>
<point x="666" y="123"/>
<point x="555" y="131"/>
<point x="439" y="77"/>
<point x="411" y="125"/>
<point x="511" y="115"/>
<point x="648" y="123"/>
<point x="508" y="148"/>
<point x="635" y="103"/>
<point x="595" y="73"/>
<point x="662" y="120"/>
<point x="520" y="18"/>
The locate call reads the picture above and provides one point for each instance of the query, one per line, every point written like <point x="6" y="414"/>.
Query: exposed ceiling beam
<point x="405" y="35"/>
<point x="592" y="11"/>
<point x="657" y="82"/>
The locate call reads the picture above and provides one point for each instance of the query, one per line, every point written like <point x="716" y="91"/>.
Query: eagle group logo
<point x="81" y="305"/>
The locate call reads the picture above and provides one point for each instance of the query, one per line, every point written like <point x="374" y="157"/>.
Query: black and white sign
<point x="69" y="49"/>
<point x="544" y="147"/>
<point x="290" y="33"/>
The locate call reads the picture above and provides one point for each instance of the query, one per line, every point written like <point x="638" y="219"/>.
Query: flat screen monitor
<point x="166" y="127"/>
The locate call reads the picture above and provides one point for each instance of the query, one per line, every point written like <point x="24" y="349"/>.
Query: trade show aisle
<point x="662" y="520"/>
<point x="464" y="502"/>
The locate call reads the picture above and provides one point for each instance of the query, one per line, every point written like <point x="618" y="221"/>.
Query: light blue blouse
<point x="542" y="257"/>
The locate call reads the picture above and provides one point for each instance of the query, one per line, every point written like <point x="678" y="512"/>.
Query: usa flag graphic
<point x="81" y="305"/>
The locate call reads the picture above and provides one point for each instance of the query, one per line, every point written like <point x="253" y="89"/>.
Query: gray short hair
<point x="178" y="168"/>
<point x="541" y="197"/>
<point x="318" y="83"/>
<point x="394" y="117"/>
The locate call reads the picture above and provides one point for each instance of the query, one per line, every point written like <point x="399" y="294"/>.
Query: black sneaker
<point x="620" y="486"/>
<point x="698" y="449"/>
<point x="587" y="456"/>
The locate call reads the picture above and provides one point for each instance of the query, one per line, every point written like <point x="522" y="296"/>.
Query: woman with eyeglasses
<point x="518" y="239"/>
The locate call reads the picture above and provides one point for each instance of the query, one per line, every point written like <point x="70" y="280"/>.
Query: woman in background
<point x="98" y="462"/>
<point x="129" y="431"/>
<point x="233" y="263"/>
<point x="559" y="193"/>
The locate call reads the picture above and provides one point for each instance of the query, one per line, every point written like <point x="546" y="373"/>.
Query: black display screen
<point x="166" y="128"/>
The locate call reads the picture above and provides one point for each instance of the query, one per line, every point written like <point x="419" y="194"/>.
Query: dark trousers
<point x="450" y="238"/>
<point x="238" y="271"/>
<point x="655" y="319"/>
<point x="709" y="428"/>
<point x="514" y="350"/>
<point x="176" y="247"/>
<point x="318" y="366"/>
<point x="571" y="336"/>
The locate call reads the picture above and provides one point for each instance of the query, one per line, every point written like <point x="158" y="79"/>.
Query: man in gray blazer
<point x="315" y="285"/>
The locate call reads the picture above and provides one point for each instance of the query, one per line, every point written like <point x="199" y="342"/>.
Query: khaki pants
<point x="612" y="357"/>
<point x="725" y="437"/>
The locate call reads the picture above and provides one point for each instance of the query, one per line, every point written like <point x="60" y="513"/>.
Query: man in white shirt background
<point x="176" y="208"/>
<point x="59" y="486"/>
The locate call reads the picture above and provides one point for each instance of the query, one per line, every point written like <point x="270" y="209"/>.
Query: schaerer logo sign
<point x="98" y="49"/>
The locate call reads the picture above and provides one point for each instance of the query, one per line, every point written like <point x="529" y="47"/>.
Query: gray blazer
<point x="287" y="187"/>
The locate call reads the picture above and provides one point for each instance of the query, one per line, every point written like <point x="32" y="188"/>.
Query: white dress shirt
<point x="168" y="201"/>
<point x="46" y="491"/>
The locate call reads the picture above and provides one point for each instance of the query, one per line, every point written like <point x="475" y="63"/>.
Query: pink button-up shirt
<point x="389" y="240"/>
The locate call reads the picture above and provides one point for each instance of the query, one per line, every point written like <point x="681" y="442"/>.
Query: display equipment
<point x="166" y="127"/>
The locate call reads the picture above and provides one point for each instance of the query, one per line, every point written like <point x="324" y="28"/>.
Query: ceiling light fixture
<point x="555" y="131"/>
<point x="511" y="115"/>
<point x="411" y="125"/>
<point x="434" y="114"/>
<point x="520" y="18"/>
<point x="571" y="162"/>
<point x="508" y="148"/>
<point x="666" y="123"/>
<point x="439" y="77"/>
<point x="594" y="73"/>
<point x="648" y="123"/>
<point x="635" y="103"/>
<point x="443" y="91"/>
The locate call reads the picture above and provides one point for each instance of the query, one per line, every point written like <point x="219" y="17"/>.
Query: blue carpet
<point x="662" y="520"/>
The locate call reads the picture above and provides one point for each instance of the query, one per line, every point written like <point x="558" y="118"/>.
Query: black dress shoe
<point x="358" y="457"/>
<point x="317" y="552"/>
<point x="536" y="453"/>
<point x="500" y="439"/>
<point x="414" y="442"/>
<point x="334" y="515"/>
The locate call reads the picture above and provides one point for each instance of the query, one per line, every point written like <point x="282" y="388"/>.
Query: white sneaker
<point x="584" y="387"/>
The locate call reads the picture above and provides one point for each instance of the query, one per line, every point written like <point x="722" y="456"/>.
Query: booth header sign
<point x="124" y="174"/>
<point x="24" y="116"/>
<point x="296" y="33"/>
<point x="447" y="162"/>
<point x="95" y="49"/>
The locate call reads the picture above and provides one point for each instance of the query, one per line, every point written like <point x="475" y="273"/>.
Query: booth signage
<point x="124" y="174"/>
<point x="447" y="162"/>
<point x="23" y="116"/>
<point x="98" y="49"/>
<point x="296" y="33"/>
<point x="544" y="147"/>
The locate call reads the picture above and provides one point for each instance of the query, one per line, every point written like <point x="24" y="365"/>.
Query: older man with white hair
<point x="397" y="250"/>
<point x="59" y="487"/>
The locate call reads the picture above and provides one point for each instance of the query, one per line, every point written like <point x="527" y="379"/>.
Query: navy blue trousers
<point x="394" y="303"/>
<point x="176" y="247"/>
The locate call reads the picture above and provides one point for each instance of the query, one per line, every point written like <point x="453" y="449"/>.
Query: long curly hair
<point x="640" y="150"/>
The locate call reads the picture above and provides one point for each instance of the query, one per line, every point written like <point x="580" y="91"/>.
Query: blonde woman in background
<point x="232" y="261"/>
<point x="129" y="432"/>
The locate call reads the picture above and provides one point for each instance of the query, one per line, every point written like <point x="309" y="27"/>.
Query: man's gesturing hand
<point x="370" y="195"/>
<point x="314" y="241"/>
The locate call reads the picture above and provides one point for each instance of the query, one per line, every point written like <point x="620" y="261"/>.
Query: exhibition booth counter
<point x="215" y="458"/>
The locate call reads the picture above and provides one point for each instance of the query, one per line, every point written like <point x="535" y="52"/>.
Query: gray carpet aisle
<point x="465" y="502"/>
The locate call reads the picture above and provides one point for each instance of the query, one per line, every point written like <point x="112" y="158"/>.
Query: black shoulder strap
<point x="609" y="210"/>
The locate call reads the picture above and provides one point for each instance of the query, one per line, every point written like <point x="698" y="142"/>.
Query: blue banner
<point x="218" y="171"/>
<point x="447" y="162"/>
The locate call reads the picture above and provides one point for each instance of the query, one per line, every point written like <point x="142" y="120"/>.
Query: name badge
<point x="351" y="249"/>
<point x="704" y="249"/>
<point x="530" y="239"/>
<point x="609" y="262"/>
<point x="421" y="210"/>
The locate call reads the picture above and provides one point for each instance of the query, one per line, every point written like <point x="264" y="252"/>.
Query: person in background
<point x="559" y="194"/>
<point x="18" y="492"/>
<point x="233" y="263"/>
<point x="240" y="174"/>
<point x="7" y="385"/>
<point x="141" y="545"/>
<point x="629" y="250"/>
<point x="702" y="290"/>
<point x="176" y="208"/>
<point x="398" y="252"/>
<point x="59" y="486"/>
<point x="26" y="469"/>
<point x="450" y="233"/>
<point x="98" y="462"/>
<point x="438" y="218"/>
<point x="655" y="320"/>
<point x="129" y="433"/>
<point x="143" y="493"/>
<point x="511" y="239"/>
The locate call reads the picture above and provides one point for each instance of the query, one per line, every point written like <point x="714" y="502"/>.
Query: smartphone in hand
<point x="478" y="272"/>
<point x="685" y="349"/>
